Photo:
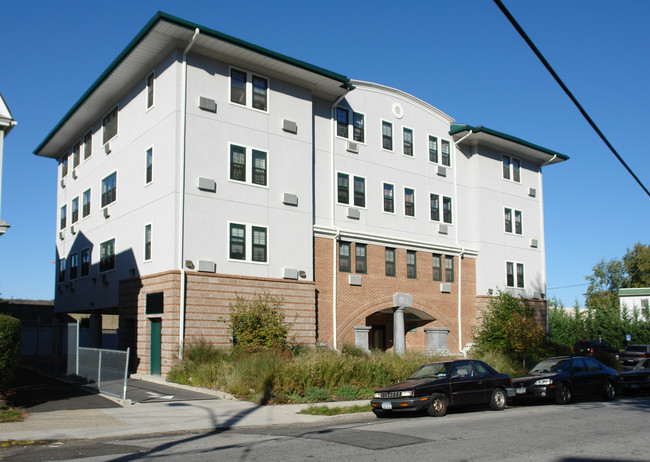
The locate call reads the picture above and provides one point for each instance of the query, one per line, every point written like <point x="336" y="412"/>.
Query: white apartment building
<point x="7" y="122"/>
<point x="199" y="167"/>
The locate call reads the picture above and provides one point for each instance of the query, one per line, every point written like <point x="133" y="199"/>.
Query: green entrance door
<point x="156" y="328"/>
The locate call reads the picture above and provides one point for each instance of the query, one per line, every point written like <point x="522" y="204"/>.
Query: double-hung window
<point x="358" y="127"/>
<point x="434" y="200"/>
<point x="75" y="210"/>
<point x="109" y="189"/>
<point x="63" y="217"/>
<point x="437" y="267"/>
<point x="511" y="169"/>
<point x="446" y="209"/>
<point x="64" y="165"/>
<point x="449" y="268"/>
<point x="150" y="82"/>
<point x="107" y="255"/>
<point x="361" y="258"/>
<point x="76" y="155"/>
<point x="109" y="124"/>
<point x="508" y="216"/>
<point x="408" y="141"/>
<point x="260" y="92"/>
<point x="411" y="265"/>
<point x="237" y="242"/>
<point x="390" y="261"/>
<point x="85" y="262"/>
<point x="259" y="167"/>
<point x="61" y="269"/>
<point x="446" y="153"/>
<point x="148" y="176"/>
<point x="238" y="86"/>
<point x="345" y="263"/>
<point x="259" y="244"/>
<point x="88" y="145"/>
<point x="85" y="205"/>
<point x="343" y="187"/>
<point x="243" y="84"/>
<point x="74" y="265"/>
<point x="433" y="149"/>
<point x="389" y="201"/>
<point x="387" y="135"/>
<point x="409" y="202"/>
<point x="342" y="116"/>
<point x="237" y="163"/>
<point x="147" y="242"/>
<point x="359" y="191"/>
<point x="239" y="159"/>
<point x="343" y="124"/>
<point x="514" y="279"/>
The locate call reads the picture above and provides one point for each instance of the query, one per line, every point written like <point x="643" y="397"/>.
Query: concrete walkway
<point x="221" y="412"/>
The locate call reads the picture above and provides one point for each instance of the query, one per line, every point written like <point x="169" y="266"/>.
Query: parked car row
<point x="437" y="386"/>
<point x="628" y="358"/>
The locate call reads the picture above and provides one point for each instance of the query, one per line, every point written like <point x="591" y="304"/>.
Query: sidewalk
<point x="222" y="412"/>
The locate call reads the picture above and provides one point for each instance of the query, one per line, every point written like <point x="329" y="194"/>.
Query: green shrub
<point x="346" y="393"/>
<point x="258" y="324"/>
<point x="352" y="350"/>
<point x="317" y="395"/>
<point x="10" y="335"/>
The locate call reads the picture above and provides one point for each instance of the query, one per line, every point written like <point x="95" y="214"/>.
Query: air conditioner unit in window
<point x="289" y="126"/>
<point x="445" y="288"/>
<point x="207" y="184"/>
<point x="354" y="280"/>
<point x="107" y="148"/>
<point x="106" y="212"/>
<point x="290" y="199"/>
<point x="74" y="173"/>
<point x="355" y="214"/>
<point x="353" y="147"/>
<point x="207" y="104"/>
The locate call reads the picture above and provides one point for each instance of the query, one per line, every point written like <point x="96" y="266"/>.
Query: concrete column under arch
<point x="401" y="302"/>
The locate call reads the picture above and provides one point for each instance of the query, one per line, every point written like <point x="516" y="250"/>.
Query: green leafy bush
<point x="258" y="324"/>
<point x="10" y="335"/>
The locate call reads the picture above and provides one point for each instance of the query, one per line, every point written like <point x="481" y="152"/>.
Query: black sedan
<point x="638" y="379"/>
<point x="563" y="377"/>
<point x="437" y="386"/>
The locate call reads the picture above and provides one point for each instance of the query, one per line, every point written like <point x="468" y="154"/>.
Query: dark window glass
<point x="359" y="192"/>
<point x="446" y="209"/>
<point x="237" y="242"/>
<point x="85" y="262"/>
<point x="342" y="122"/>
<point x="435" y="207"/>
<point x="75" y="210"/>
<point x="74" y="265"/>
<point x="149" y="91"/>
<point x="259" y="244"/>
<point x="449" y="268"/>
<point x="76" y="157"/>
<point x="390" y="262"/>
<point x="110" y="125"/>
<point x="260" y="86"/>
<point x="358" y="125"/>
<point x="62" y="270"/>
<point x="387" y="135"/>
<point x="345" y="264"/>
<point x="506" y="167"/>
<point x="109" y="189"/>
<point x="237" y="163"/>
<point x="516" y="175"/>
<point x="437" y="267"/>
<point x="508" y="219"/>
<point x="411" y="264"/>
<point x="86" y="203"/>
<point x="510" y="274"/>
<point x="520" y="275"/>
<point x="237" y="86"/>
<point x="88" y="145"/>
<point x="64" y="166"/>
<point x="446" y="158"/>
<point x="63" y="218"/>
<point x="107" y="255"/>
<point x="361" y="259"/>
<point x="408" y="141"/>
<point x="343" y="188"/>
<point x="409" y="202"/>
<point x="149" y="170"/>
<point x="518" y="229"/>
<point x="433" y="149"/>
<point x="259" y="167"/>
<point x="147" y="242"/>
<point x="389" y="204"/>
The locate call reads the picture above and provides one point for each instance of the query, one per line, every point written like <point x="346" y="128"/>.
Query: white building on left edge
<point x="7" y="122"/>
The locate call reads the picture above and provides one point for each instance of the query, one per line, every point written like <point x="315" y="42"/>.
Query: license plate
<point x="520" y="391"/>
<point x="387" y="405"/>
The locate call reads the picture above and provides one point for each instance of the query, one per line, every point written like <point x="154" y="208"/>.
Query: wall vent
<point x="534" y="243"/>
<point x="74" y="173"/>
<point x="354" y="280"/>
<point x="353" y="147"/>
<point x="442" y="229"/>
<point x="532" y="192"/>
<point x="106" y="212"/>
<point x="206" y="184"/>
<point x="445" y="288"/>
<point x="290" y="199"/>
<point x="107" y="148"/>
<point x="290" y="273"/>
<point x="207" y="104"/>
<point x="355" y="214"/>
<point x="61" y="234"/>
<point x="63" y="182"/>
<point x="72" y="230"/>
<point x="207" y="266"/>
<point x="442" y="171"/>
<point x="289" y="126"/>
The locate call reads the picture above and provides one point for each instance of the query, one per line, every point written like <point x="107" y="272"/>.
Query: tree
<point x="637" y="265"/>
<point x="258" y="324"/>
<point x="10" y="334"/>
<point x="524" y="334"/>
<point x="606" y="279"/>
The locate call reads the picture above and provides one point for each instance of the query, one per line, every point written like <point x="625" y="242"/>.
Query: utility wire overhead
<point x="548" y="67"/>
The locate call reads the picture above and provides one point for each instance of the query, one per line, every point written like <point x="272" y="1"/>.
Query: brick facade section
<point x="360" y="305"/>
<point x="206" y="311"/>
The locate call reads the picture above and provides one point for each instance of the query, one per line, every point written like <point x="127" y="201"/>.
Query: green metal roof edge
<point x="161" y="16"/>
<point x="458" y="128"/>
<point x="634" y="291"/>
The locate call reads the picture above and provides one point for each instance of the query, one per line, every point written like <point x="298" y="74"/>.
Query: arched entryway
<point x="382" y="325"/>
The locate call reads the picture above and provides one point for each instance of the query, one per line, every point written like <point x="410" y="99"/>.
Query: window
<point x="516" y="175"/>
<point x="390" y="261"/>
<point x="342" y="116"/>
<point x="76" y="156"/>
<point x="85" y="211"/>
<point x="446" y="209"/>
<point x="259" y="244"/>
<point x="238" y="86"/>
<point x="147" y="242"/>
<point x="345" y="265"/>
<point x="107" y="256"/>
<point x="64" y="165"/>
<point x="74" y="265"/>
<point x="445" y="148"/>
<point x="517" y="221"/>
<point x="511" y="169"/>
<point x="437" y="267"/>
<point x="259" y="167"/>
<point x="237" y="163"/>
<point x="63" y="217"/>
<point x="148" y="176"/>
<point x="449" y="268"/>
<point x="433" y="149"/>
<point x="411" y="267"/>
<point x="361" y="258"/>
<point x="434" y="200"/>
<point x="260" y="90"/>
<point x="359" y="191"/>
<point x="110" y="126"/>
<point x="237" y="242"/>
<point x="75" y="210"/>
<point x="387" y="135"/>
<point x="358" y="127"/>
<point x="408" y="141"/>
<point x="61" y="269"/>
<point x="85" y="262"/>
<point x="518" y="228"/>
<point x="150" y="90"/>
<point x="389" y="204"/>
<point x="343" y="182"/>
<point x="510" y="274"/>
<point x="88" y="145"/>
<point x="109" y="189"/>
<point x="409" y="202"/>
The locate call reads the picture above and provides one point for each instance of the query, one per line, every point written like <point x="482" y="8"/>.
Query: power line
<point x="548" y="67"/>
<point x="567" y="287"/>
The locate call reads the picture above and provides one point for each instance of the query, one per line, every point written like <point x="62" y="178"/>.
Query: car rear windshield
<point x="640" y="348"/>
<point x="431" y="370"/>
<point x="551" y="365"/>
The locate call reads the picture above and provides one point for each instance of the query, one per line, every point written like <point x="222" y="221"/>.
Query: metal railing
<point x="107" y="369"/>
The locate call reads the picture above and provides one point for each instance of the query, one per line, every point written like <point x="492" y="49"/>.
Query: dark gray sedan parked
<point x="633" y="354"/>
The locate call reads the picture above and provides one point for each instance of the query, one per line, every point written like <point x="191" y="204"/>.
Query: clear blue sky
<point x="462" y="57"/>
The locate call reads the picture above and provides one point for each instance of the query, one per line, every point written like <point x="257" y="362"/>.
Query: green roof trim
<point x="634" y="291"/>
<point x="161" y="16"/>
<point x="459" y="128"/>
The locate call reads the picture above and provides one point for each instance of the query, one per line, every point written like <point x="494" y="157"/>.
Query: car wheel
<point x="438" y="405"/>
<point x="609" y="391"/>
<point x="498" y="399"/>
<point x="381" y="414"/>
<point x="563" y="394"/>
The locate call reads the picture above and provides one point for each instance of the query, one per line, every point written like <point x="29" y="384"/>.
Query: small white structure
<point x="633" y="299"/>
<point x="7" y="122"/>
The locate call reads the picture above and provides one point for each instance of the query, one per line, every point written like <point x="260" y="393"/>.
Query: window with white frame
<point x="389" y="198"/>
<point x="85" y="203"/>
<point x="445" y="149"/>
<point x="64" y="165"/>
<point x="387" y="135"/>
<point x="343" y="188"/>
<point x="407" y="140"/>
<point x="107" y="256"/>
<point x="433" y="149"/>
<point x="61" y="269"/>
<point x="147" y="242"/>
<point x="109" y="125"/>
<point x="409" y="202"/>
<point x="358" y="127"/>
<point x="248" y="89"/>
<point x="237" y="241"/>
<point x="259" y="167"/>
<point x="446" y="209"/>
<point x="74" y="265"/>
<point x="345" y="125"/>
<point x="63" y="217"/>
<point x="241" y="157"/>
<point x="508" y="217"/>
<point x="411" y="264"/>
<point x="514" y="274"/>
<point x="237" y="163"/>
<point x="434" y="201"/>
<point x="88" y="145"/>
<point x="258" y="244"/>
<point x="85" y="262"/>
<point x="361" y="258"/>
<point x="511" y="169"/>
<point x="76" y="155"/>
<point x="449" y="268"/>
<point x="150" y="83"/>
<point x="109" y="189"/>
<point x="148" y="175"/>
<point x="342" y="122"/>
<point x="390" y="261"/>
<point x="437" y="267"/>
<point x="345" y="260"/>
<point x="359" y="191"/>
<point x="75" y="210"/>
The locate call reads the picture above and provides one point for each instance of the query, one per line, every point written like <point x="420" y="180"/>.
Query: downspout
<point x="541" y="221"/>
<point x="462" y="252"/>
<point x="333" y="211"/>
<point x="181" y="221"/>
